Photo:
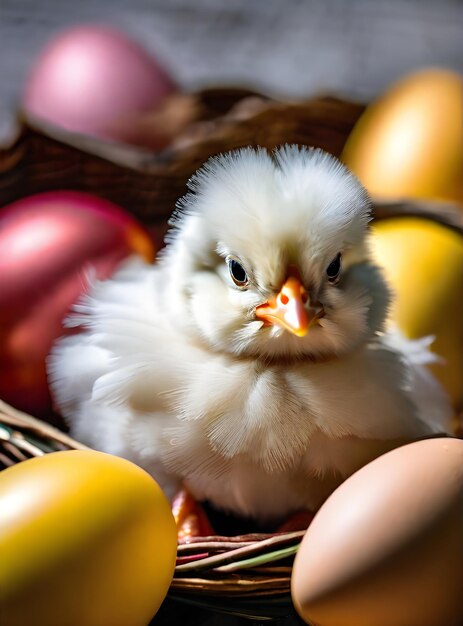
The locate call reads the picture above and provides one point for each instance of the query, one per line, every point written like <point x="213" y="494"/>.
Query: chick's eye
<point x="238" y="273"/>
<point x="334" y="269"/>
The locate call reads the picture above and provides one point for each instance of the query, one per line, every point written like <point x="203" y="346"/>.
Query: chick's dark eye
<point x="238" y="273"/>
<point x="334" y="269"/>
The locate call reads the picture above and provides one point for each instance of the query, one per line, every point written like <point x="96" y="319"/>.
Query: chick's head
<point x="268" y="256"/>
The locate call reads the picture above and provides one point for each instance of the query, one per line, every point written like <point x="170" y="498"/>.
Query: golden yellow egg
<point x="410" y="141"/>
<point x="86" y="539"/>
<point x="423" y="263"/>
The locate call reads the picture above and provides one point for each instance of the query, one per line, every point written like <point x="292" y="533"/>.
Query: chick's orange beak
<point x="287" y="309"/>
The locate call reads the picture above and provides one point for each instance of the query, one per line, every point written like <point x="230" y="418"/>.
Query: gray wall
<point x="288" y="48"/>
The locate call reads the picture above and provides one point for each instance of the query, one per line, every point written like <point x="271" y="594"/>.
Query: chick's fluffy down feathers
<point x="174" y="371"/>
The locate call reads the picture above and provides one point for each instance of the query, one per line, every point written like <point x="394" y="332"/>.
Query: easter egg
<point x="386" y="548"/>
<point x="51" y="244"/>
<point x="86" y="539"/>
<point x="94" y="80"/>
<point x="409" y="143"/>
<point x="423" y="263"/>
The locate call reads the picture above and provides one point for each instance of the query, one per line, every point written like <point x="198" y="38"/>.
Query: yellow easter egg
<point x="410" y="141"/>
<point x="423" y="263"/>
<point x="86" y="539"/>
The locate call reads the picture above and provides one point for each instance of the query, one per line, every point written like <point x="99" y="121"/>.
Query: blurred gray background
<point x="288" y="48"/>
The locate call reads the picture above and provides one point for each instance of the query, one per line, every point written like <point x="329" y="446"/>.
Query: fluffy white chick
<point x="250" y="362"/>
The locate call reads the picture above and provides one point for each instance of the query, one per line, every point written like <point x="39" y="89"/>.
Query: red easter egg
<point x="49" y="243"/>
<point x="94" y="80"/>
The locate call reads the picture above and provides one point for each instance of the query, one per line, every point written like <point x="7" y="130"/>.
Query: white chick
<point x="250" y="363"/>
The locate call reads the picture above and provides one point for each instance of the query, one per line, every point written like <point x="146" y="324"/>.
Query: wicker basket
<point x="247" y="575"/>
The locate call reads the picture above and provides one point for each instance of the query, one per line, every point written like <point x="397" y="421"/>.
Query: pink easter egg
<point x="50" y="244"/>
<point x="90" y="78"/>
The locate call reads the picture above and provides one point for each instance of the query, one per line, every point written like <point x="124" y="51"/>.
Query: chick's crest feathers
<point x="294" y="191"/>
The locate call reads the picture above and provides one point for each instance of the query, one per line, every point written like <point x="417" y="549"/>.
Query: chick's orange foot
<point x="190" y="517"/>
<point x="296" y="521"/>
<point x="202" y="519"/>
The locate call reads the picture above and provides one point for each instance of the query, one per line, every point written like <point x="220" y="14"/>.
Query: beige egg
<point x="386" y="549"/>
